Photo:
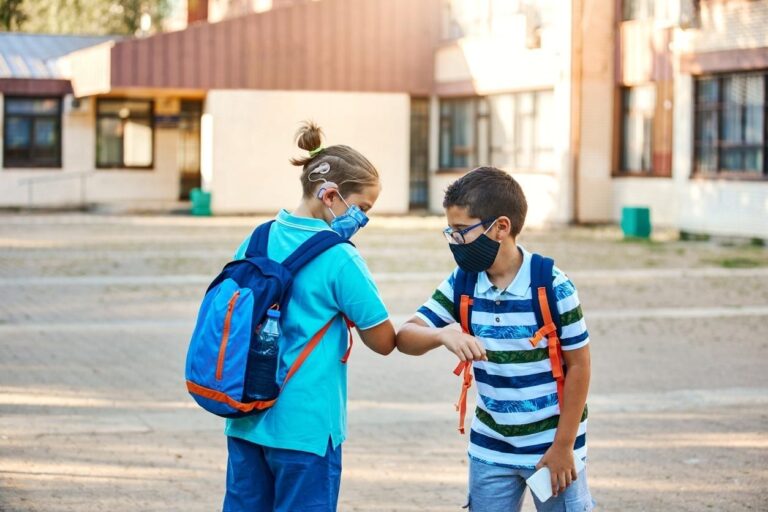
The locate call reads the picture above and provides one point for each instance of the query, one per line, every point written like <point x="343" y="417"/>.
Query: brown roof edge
<point x="725" y="60"/>
<point x="329" y="45"/>
<point x="35" y="87"/>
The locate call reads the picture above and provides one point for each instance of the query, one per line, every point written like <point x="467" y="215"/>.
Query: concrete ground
<point x="96" y="311"/>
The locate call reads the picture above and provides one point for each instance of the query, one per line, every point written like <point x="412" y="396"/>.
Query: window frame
<point x="474" y="123"/>
<point x="718" y="173"/>
<point x="150" y="117"/>
<point x="30" y="163"/>
<point x="536" y="118"/>
<point x="623" y="110"/>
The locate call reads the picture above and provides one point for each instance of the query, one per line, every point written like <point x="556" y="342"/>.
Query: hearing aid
<point x="328" y="185"/>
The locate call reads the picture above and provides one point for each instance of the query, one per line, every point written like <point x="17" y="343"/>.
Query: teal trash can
<point x="201" y="202"/>
<point x="636" y="221"/>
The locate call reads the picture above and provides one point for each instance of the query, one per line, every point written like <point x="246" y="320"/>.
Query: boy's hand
<point x="562" y="469"/>
<point x="466" y="347"/>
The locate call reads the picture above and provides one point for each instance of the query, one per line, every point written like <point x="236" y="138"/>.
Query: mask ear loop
<point x="489" y="227"/>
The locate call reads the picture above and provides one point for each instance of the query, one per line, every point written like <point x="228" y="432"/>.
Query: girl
<point x="288" y="457"/>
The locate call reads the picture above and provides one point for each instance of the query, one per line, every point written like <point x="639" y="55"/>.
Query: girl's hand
<point x="466" y="347"/>
<point x="562" y="469"/>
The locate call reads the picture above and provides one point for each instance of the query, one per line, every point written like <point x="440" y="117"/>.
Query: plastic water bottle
<point x="263" y="371"/>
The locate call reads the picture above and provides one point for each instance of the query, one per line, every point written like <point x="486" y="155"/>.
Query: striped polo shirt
<point x="517" y="411"/>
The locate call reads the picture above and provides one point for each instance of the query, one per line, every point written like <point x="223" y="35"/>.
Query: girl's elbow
<point x="386" y="349"/>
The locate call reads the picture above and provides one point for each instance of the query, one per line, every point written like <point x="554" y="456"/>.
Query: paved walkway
<point x="95" y="314"/>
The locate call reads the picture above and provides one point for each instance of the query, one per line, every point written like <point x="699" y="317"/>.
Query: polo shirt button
<point x="498" y="320"/>
<point x="498" y="302"/>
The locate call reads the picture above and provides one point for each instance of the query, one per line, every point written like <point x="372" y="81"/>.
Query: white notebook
<point x="541" y="483"/>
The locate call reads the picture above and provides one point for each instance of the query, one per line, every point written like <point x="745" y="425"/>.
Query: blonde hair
<point x="349" y="169"/>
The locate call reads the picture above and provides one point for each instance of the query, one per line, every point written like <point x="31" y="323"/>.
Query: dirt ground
<point x="96" y="312"/>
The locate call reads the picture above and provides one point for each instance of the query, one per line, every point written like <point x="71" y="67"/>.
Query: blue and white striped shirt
<point x="517" y="411"/>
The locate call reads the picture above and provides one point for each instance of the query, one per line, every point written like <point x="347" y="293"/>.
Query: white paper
<point x="541" y="483"/>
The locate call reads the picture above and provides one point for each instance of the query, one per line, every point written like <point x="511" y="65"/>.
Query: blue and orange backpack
<point x="219" y="358"/>
<point x="547" y="320"/>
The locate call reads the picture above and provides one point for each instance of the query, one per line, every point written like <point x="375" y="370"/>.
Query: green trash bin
<point x="201" y="202"/>
<point x="636" y="221"/>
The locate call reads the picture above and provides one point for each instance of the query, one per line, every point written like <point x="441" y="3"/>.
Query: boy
<point x="519" y="425"/>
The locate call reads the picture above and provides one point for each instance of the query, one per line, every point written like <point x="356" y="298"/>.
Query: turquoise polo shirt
<point x="312" y="409"/>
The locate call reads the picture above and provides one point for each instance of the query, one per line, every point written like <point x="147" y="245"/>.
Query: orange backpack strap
<point x="549" y="331"/>
<point x="350" y="325"/>
<point x="464" y="366"/>
<point x="308" y="348"/>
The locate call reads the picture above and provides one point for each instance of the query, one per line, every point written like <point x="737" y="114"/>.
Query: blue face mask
<point x="350" y="222"/>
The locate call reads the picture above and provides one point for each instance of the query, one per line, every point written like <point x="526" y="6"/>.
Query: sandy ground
<point x="96" y="310"/>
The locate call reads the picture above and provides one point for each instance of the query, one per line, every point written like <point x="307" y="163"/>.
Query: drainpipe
<point x="577" y="8"/>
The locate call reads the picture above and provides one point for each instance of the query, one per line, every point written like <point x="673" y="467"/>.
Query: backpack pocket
<point x="222" y="338"/>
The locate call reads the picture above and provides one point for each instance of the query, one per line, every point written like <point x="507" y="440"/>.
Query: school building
<point x="593" y="105"/>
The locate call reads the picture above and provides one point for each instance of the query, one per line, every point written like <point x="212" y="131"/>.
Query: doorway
<point x="189" y="146"/>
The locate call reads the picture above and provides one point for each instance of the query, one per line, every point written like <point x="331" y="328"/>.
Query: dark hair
<point x="349" y="169"/>
<point x="488" y="193"/>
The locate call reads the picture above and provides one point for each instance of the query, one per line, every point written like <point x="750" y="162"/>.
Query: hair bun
<point x="309" y="136"/>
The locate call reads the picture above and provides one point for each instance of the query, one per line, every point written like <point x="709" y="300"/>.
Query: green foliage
<point x="87" y="17"/>
<point x="12" y="17"/>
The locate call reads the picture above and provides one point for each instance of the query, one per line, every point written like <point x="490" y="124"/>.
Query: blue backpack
<point x="235" y="305"/>
<point x="547" y="320"/>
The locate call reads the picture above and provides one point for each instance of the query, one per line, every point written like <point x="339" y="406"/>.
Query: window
<point x="463" y="133"/>
<point x="124" y="134"/>
<point x="521" y="130"/>
<point x="730" y="125"/>
<point x="637" y="113"/>
<point x="419" y="157"/>
<point x="637" y="9"/>
<point x="32" y="128"/>
<point x="644" y="125"/>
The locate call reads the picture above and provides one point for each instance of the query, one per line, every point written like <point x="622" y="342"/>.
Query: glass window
<point x="637" y="116"/>
<point x="521" y="130"/>
<point x="730" y="124"/>
<point x="458" y="147"/>
<point x="637" y="9"/>
<point x="124" y="133"/>
<point x="32" y="132"/>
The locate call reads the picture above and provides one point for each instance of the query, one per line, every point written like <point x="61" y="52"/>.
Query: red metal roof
<point x="327" y="45"/>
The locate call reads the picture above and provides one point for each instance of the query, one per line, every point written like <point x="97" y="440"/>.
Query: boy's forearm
<point x="415" y="340"/>
<point x="574" y="399"/>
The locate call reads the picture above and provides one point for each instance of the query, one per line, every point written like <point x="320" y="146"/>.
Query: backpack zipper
<point x="225" y="334"/>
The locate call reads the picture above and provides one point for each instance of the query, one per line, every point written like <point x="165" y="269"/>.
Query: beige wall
<point x="712" y="206"/>
<point x="497" y="61"/>
<point x="722" y="207"/>
<point x="79" y="155"/>
<point x="595" y="191"/>
<point x="728" y="25"/>
<point x="89" y="69"/>
<point x="250" y="141"/>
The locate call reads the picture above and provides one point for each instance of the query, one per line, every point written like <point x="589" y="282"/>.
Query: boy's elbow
<point x="405" y="346"/>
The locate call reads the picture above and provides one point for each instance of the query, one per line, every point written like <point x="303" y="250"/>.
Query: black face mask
<point x="476" y="256"/>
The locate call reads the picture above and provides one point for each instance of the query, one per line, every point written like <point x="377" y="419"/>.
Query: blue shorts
<point x="501" y="489"/>
<point x="264" y="479"/>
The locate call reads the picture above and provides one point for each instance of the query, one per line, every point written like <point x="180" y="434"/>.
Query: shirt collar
<point x="306" y="223"/>
<point x="518" y="287"/>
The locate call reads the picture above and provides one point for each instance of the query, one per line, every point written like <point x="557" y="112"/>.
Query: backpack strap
<point x="463" y="292"/>
<point x="306" y="252"/>
<point x="312" y="248"/>
<point x="308" y="348"/>
<point x="544" y="303"/>
<point x="257" y="246"/>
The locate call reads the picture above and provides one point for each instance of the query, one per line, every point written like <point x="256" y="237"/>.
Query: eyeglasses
<point x="457" y="237"/>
